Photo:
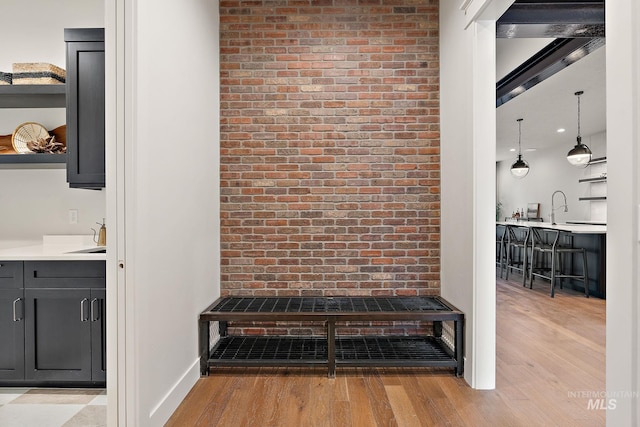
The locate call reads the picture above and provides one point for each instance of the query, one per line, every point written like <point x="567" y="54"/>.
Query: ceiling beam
<point x="552" y="19"/>
<point x="554" y="57"/>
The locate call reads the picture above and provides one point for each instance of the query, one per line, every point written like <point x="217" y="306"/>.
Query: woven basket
<point x="5" y="78"/>
<point x="26" y="132"/>
<point x="37" y="73"/>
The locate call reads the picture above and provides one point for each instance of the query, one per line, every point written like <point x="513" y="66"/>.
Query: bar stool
<point x="501" y="253"/>
<point x="546" y="243"/>
<point x="516" y="249"/>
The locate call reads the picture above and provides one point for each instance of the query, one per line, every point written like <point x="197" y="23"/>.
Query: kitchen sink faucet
<point x="553" y="208"/>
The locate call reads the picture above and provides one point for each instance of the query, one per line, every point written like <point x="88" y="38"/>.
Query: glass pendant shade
<point x="520" y="168"/>
<point x="580" y="155"/>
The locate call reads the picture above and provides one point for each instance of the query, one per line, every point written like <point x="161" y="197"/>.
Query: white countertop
<point x="570" y="228"/>
<point x="52" y="248"/>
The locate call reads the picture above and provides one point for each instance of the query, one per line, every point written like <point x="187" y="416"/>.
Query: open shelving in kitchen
<point x="23" y="159"/>
<point x="598" y="176"/>
<point x="33" y="96"/>
<point x="597" y="160"/>
<point x="594" y="179"/>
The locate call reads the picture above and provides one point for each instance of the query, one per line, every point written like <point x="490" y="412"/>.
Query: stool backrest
<point x="518" y="235"/>
<point x="544" y="236"/>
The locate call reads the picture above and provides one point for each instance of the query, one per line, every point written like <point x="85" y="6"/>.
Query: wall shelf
<point x="14" y="159"/>
<point x="594" y="179"/>
<point x="33" y="96"/>
<point x="597" y="160"/>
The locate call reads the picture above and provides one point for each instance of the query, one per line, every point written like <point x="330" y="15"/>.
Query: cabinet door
<point x="11" y="321"/>
<point x="85" y="107"/>
<point x="11" y="334"/>
<point x="58" y="335"/>
<point x="98" y="335"/>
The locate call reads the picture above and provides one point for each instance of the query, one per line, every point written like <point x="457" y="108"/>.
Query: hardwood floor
<point x="548" y="351"/>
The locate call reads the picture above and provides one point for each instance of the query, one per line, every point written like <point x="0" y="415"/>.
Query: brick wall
<point x="329" y="156"/>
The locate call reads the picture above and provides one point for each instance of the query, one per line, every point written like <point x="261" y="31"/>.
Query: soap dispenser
<point x="102" y="234"/>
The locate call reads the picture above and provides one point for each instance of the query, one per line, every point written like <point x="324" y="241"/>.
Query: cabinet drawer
<point x="11" y="274"/>
<point x="64" y="274"/>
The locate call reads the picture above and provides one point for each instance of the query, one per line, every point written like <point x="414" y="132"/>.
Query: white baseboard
<point x="170" y="402"/>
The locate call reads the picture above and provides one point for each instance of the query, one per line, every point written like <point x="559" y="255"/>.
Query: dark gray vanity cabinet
<point x="62" y="316"/>
<point x="11" y="321"/>
<point x="85" y="107"/>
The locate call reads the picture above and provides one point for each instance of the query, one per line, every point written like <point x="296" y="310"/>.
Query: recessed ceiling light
<point x="512" y="149"/>
<point x="531" y="149"/>
<point x="561" y="130"/>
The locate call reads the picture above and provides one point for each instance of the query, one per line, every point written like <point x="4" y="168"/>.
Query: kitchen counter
<point x="569" y="228"/>
<point x="53" y="248"/>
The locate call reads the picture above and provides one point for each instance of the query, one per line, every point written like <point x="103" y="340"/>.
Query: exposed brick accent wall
<point x="330" y="166"/>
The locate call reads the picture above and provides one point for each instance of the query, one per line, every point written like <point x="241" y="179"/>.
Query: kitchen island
<point x="591" y="237"/>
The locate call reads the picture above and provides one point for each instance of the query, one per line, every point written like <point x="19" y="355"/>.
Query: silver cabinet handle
<point x="83" y="318"/>
<point x="95" y="310"/>
<point x="15" y="311"/>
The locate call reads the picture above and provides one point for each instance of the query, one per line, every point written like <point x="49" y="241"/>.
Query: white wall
<point x="457" y="183"/>
<point x="164" y="68"/>
<point x="33" y="30"/>
<point x="550" y="171"/>
<point x="468" y="133"/>
<point x="36" y="201"/>
<point x="623" y="229"/>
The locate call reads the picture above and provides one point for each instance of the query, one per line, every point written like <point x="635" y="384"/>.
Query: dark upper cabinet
<point x="85" y="107"/>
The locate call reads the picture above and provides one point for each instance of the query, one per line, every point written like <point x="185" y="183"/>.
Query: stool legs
<point x="586" y="273"/>
<point x="557" y="266"/>
<point x="554" y="256"/>
<point x="514" y="243"/>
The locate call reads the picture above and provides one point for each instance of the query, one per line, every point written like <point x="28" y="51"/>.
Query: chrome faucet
<point x="553" y="208"/>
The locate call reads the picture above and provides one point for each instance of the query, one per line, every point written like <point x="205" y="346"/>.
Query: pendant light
<point x="580" y="155"/>
<point x="520" y="168"/>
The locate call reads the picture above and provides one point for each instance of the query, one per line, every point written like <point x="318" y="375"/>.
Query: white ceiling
<point x="549" y="105"/>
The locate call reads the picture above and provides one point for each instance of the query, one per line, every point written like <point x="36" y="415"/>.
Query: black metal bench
<point x="332" y="350"/>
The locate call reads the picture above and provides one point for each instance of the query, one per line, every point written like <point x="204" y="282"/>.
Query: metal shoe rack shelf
<point x="332" y="350"/>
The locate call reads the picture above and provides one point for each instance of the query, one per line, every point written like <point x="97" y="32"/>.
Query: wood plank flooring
<point x="548" y="349"/>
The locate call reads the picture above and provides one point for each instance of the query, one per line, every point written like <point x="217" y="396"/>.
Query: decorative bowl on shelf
<point x="25" y="133"/>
